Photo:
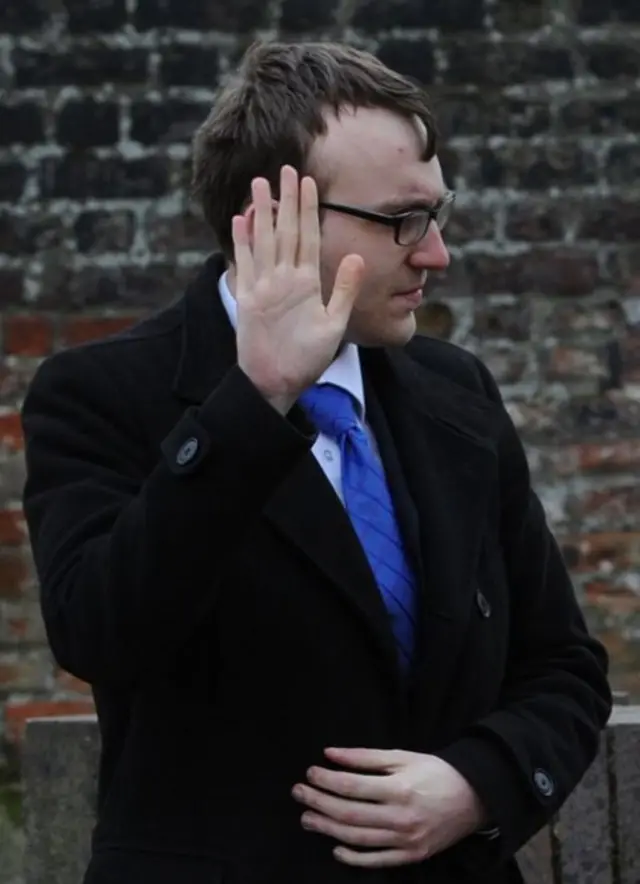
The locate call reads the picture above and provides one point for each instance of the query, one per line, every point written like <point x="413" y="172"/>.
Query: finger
<point x="369" y="759"/>
<point x="346" y="289"/>
<point x="242" y="254"/>
<point x="263" y="235"/>
<point x="345" y="810"/>
<point x="360" y="837"/>
<point x="350" y="785"/>
<point x="309" y="241"/>
<point x="379" y="859"/>
<point x="288" y="220"/>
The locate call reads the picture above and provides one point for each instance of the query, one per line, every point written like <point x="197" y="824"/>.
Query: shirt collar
<point x="345" y="371"/>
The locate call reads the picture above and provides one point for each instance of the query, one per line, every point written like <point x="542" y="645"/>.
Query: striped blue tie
<point x="370" y="507"/>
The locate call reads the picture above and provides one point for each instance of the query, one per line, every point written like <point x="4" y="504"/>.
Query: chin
<point x="394" y="332"/>
<point x="398" y="332"/>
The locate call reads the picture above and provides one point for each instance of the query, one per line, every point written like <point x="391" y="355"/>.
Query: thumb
<point x="346" y="287"/>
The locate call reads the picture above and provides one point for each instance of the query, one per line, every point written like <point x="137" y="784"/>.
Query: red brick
<point x="610" y="415"/>
<point x="25" y="670"/>
<point x="598" y="320"/>
<point x="624" y="651"/>
<point x="623" y="269"/>
<point x="82" y="329"/>
<point x="15" y="377"/>
<point x="622" y="455"/>
<point x="613" y="507"/>
<point x="535" y="221"/>
<point x="502" y="319"/>
<point x="561" y="271"/>
<point x="14" y="573"/>
<point x="575" y="363"/>
<point x="184" y="232"/>
<point x="630" y="352"/>
<point x="606" y="552"/>
<point x="613" y="597"/>
<point x="436" y="320"/>
<point x="17" y="628"/>
<point x="17" y="713"/>
<point x="506" y="363"/>
<point x="28" y="336"/>
<point x="591" y="457"/>
<point x="68" y="683"/>
<point x="21" y="624"/>
<point x="13" y="530"/>
<point x="11" y="431"/>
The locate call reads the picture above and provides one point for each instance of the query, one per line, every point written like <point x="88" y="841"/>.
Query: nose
<point x="430" y="253"/>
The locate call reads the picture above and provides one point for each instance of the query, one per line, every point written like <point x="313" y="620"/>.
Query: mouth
<point x="418" y="287"/>
<point x="413" y="297"/>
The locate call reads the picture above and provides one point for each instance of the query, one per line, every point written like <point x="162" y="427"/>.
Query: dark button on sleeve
<point x="544" y="784"/>
<point x="187" y="451"/>
<point x="187" y="445"/>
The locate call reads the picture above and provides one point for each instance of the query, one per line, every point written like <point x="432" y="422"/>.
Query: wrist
<point x="475" y="812"/>
<point x="278" y="397"/>
<point x="282" y="404"/>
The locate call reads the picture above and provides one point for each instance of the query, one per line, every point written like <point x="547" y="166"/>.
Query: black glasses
<point x="408" y="227"/>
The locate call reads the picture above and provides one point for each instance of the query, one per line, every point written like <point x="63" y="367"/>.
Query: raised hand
<point x="287" y="333"/>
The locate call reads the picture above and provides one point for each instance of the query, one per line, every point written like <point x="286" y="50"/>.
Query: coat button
<point x="544" y="783"/>
<point x="484" y="605"/>
<point x="187" y="452"/>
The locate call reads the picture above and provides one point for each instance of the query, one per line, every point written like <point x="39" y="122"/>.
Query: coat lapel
<point x="306" y="510"/>
<point x="444" y="436"/>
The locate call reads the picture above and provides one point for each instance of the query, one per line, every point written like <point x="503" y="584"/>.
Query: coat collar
<point x="208" y="346"/>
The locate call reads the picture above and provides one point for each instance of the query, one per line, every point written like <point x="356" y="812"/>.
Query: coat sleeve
<point x="132" y="549"/>
<point x="527" y="756"/>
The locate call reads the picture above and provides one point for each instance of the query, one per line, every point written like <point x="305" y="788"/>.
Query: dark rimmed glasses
<point x="408" y="227"/>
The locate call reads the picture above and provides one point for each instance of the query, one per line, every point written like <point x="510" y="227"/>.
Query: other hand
<point x="418" y="807"/>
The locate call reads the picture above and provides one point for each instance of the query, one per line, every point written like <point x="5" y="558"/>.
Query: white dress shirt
<point x="344" y="371"/>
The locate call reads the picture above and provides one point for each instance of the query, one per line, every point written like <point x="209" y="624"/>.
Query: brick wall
<point x="540" y="104"/>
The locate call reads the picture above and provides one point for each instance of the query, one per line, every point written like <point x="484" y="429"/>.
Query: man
<point x="294" y="548"/>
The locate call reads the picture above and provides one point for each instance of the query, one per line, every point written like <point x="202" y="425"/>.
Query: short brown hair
<point x="272" y="110"/>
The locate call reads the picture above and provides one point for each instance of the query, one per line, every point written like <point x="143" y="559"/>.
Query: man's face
<point x="371" y="159"/>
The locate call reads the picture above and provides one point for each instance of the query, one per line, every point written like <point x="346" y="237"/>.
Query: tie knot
<point x="331" y="409"/>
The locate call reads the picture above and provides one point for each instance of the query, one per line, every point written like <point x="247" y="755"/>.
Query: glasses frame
<point x="396" y="221"/>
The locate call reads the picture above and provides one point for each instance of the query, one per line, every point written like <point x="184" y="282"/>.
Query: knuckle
<point x="405" y="794"/>
<point x="352" y="818"/>
<point x="410" y="823"/>
<point x="415" y="838"/>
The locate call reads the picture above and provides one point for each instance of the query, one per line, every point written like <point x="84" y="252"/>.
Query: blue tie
<point x="370" y="507"/>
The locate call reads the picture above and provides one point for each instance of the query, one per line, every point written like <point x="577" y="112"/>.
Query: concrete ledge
<point x="594" y="840"/>
<point x="60" y="765"/>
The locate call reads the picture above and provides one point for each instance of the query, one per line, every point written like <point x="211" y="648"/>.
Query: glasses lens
<point x="413" y="228"/>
